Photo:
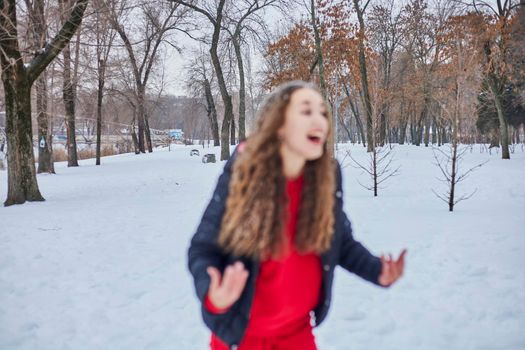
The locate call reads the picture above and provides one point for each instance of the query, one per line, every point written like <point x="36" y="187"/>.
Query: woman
<point x="264" y="254"/>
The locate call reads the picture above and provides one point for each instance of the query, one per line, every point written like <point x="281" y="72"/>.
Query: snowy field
<point x="102" y="263"/>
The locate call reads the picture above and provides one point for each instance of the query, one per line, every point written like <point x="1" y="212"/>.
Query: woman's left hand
<point x="391" y="270"/>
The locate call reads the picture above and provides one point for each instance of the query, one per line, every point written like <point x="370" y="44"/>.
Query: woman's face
<point x="305" y="126"/>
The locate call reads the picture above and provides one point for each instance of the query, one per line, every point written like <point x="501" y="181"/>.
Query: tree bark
<point x="242" y="88"/>
<point x="226" y="98"/>
<point x="355" y="112"/>
<point x="100" y="95"/>
<point x="147" y="132"/>
<point x="69" y="106"/>
<point x="45" y="148"/>
<point x="320" y="65"/>
<point x="17" y="79"/>
<point x="503" y="126"/>
<point x="140" y="117"/>
<point x="212" y="112"/>
<point x="427" y="130"/>
<point x="38" y="39"/>
<point x="21" y="175"/>
<point x="232" y="136"/>
<point x="364" y="79"/>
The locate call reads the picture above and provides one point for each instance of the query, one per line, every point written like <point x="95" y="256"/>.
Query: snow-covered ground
<point x="102" y="263"/>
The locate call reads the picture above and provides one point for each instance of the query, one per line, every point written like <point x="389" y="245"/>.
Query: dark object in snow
<point x="209" y="158"/>
<point x="194" y="152"/>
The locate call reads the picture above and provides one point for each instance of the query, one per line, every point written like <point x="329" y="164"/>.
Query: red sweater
<point x="286" y="289"/>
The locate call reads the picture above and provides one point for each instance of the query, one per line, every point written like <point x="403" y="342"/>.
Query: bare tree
<point x="245" y="11"/>
<point x="214" y="13"/>
<point x="200" y="79"/>
<point x="37" y="38"/>
<point x="69" y="89"/>
<point x="360" y="9"/>
<point x="104" y="38"/>
<point x="18" y="77"/>
<point x="158" y="20"/>
<point x="379" y="167"/>
<point x="497" y="42"/>
<point x="385" y="31"/>
<point x="449" y="164"/>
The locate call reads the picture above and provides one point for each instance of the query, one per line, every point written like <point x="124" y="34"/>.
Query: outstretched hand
<point x="226" y="290"/>
<point x="391" y="270"/>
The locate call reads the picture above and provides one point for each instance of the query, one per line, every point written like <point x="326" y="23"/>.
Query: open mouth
<point x="315" y="139"/>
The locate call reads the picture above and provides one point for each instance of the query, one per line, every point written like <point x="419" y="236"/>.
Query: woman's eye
<point x="307" y="112"/>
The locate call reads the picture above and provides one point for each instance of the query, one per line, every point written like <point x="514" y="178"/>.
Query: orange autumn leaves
<point x="293" y="55"/>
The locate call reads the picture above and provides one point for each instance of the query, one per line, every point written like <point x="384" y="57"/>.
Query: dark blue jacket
<point x="204" y="251"/>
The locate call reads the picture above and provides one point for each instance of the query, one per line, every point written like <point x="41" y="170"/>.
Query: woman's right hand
<point x="226" y="290"/>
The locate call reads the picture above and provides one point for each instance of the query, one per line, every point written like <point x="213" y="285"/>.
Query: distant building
<point x="176" y="134"/>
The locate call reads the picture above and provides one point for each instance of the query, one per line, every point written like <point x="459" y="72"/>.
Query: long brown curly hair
<point x="256" y="209"/>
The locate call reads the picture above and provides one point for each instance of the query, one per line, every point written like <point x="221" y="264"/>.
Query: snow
<point x="102" y="263"/>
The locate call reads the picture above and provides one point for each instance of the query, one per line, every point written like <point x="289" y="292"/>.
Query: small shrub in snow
<point x="449" y="163"/>
<point x="379" y="168"/>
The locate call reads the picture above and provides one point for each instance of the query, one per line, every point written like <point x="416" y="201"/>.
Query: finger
<point x="239" y="265"/>
<point x="239" y="283"/>
<point x="401" y="261"/>
<point x="227" y="277"/>
<point x="393" y="271"/>
<point x="215" y="277"/>
<point x="234" y="279"/>
<point x="402" y="256"/>
<point x="385" y="273"/>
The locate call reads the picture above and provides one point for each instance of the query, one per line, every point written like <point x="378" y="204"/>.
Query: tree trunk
<point x="147" y="131"/>
<point x="318" y="50"/>
<point x="364" y="79"/>
<point x="140" y="117"/>
<point x="355" y="112"/>
<point x="69" y="106"/>
<point x="232" y="136"/>
<point x="45" y="135"/>
<point x="402" y="132"/>
<point x="242" y="90"/>
<point x="434" y="132"/>
<point x="226" y="98"/>
<point x="21" y="174"/>
<point x="320" y="64"/>
<point x="439" y="136"/>
<point x="453" y="175"/>
<point x="382" y="126"/>
<point x="212" y="112"/>
<point x="135" y="141"/>
<point x="38" y="28"/>
<point x="503" y="126"/>
<point x="427" y="130"/>
<point x="347" y="130"/>
<point x="18" y="78"/>
<point x="100" y="95"/>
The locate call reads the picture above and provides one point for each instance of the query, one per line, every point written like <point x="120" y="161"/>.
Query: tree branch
<point x="39" y="63"/>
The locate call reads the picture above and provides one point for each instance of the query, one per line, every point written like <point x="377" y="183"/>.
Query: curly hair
<point x="255" y="215"/>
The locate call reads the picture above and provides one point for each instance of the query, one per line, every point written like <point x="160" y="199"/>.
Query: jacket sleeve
<point x="204" y="250"/>
<point x="354" y="257"/>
